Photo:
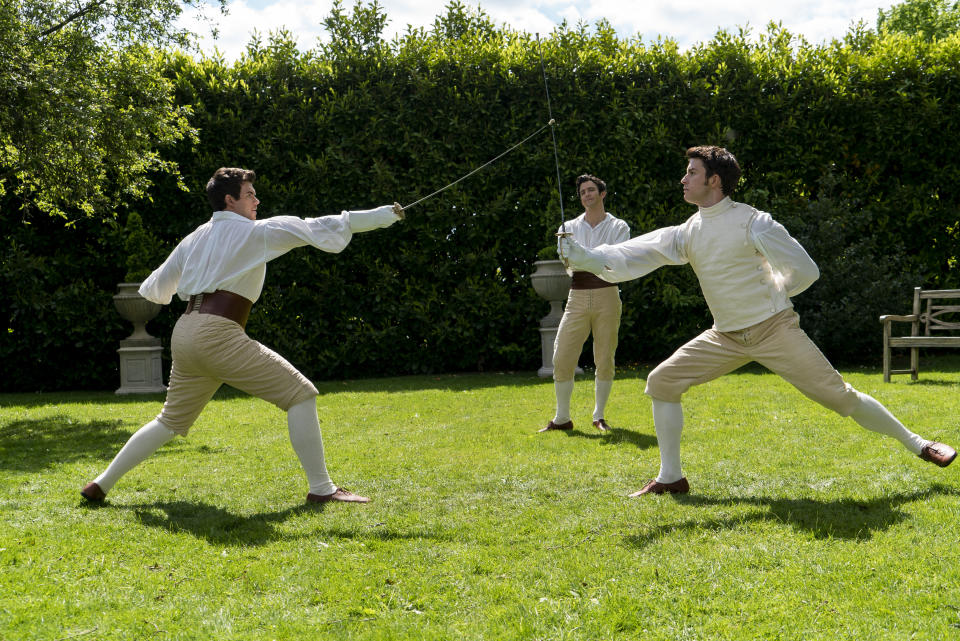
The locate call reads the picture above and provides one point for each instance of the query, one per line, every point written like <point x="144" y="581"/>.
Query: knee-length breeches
<point x="777" y="343"/>
<point x="210" y="350"/>
<point x="595" y="311"/>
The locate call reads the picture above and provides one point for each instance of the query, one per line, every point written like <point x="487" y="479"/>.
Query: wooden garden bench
<point x="937" y="319"/>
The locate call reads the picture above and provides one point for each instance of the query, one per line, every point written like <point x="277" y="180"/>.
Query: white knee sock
<point x="563" y="390"/>
<point x="304" y="427"/>
<point x="874" y="416"/>
<point x="144" y="442"/>
<point x="601" y="393"/>
<point x="668" y="422"/>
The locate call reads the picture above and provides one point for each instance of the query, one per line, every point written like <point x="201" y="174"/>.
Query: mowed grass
<point x="799" y="525"/>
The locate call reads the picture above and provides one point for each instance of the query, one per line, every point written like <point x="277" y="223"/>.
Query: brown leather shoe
<point x="342" y="495"/>
<point x="553" y="426"/>
<point x="655" y="487"/>
<point x="92" y="492"/>
<point x="938" y="454"/>
<point x="601" y="425"/>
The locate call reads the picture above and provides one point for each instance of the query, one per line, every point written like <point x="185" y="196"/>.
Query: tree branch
<point x="95" y="4"/>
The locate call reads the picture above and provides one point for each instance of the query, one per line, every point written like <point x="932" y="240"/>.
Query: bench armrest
<point x="910" y="318"/>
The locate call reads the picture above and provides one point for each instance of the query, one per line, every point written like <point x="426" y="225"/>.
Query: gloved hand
<point x="367" y="219"/>
<point x="578" y="258"/>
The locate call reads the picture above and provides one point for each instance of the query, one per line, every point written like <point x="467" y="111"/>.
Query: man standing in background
<point x="593" y="307"/>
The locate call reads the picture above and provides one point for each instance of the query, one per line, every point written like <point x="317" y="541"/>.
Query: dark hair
<point x="719" y="161"/>
<point x="601" y="186"/>
<point x="227" y="181"/>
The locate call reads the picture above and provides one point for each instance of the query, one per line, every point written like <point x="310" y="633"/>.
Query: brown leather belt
<point x="222" y="303"/>
<point x="586" y="280"/>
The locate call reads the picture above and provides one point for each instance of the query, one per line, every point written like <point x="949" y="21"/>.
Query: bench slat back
<point x="941" y="318"/>
<point x="939" y="293"/>
<point x="938" y="317"/>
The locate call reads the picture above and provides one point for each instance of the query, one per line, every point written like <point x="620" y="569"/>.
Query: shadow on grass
<point x="616" y="436"/>
<point x="65" y="399"/>
<point x="36" y="444"/>
<point x="442" y="382"/>
<point x="41" y="399"/>
<point x="222" y="527"/>
<point x="413" y="383"/>
<point x="931" y="382"/>
<point x="850" y="519"/>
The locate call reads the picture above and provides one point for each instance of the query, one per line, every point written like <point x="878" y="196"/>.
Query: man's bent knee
<point x="660" y="388"/>
<point x="304" y="393"/>
<point x="606" y="371"/>
<point x="563" y="369"/>
<point x="178" y="425"/>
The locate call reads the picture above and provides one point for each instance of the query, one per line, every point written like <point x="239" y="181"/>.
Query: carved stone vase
<point x="141" y="366"/>
<point x="551" y="281"/>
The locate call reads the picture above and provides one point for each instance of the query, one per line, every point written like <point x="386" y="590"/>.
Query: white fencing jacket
<point x="748" y="265"/>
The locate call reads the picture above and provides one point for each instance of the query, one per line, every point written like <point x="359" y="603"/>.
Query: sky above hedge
<point x="686" y="21"/>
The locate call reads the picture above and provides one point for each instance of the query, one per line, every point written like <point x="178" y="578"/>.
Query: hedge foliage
<point x="846" y="143"/>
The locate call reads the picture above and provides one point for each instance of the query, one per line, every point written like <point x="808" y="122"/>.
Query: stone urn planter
<point x="141" y="366"/>
<point x="136" y="309"/>
<point x="551" y="281"/>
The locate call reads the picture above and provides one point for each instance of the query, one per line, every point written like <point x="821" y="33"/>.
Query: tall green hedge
<point x="847" y="144"/>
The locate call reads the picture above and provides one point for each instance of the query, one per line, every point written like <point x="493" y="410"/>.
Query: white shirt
<point x="231" y="252"/>
<point x="609" y="231"/>
<point x="741" y="287"/>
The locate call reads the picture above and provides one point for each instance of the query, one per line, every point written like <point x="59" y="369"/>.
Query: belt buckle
<point x="197" y="302"/>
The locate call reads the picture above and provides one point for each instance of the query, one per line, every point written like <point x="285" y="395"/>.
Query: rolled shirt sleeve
<point x="622" y="233"/>
<point x="790" y="262"/>
<point x="161" y="285"/>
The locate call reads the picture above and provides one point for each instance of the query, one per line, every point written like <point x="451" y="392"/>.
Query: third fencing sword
<point x="556" y="158"/>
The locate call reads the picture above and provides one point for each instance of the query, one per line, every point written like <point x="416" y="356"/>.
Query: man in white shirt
<point x="219" y="269"/>
<point x="593" y="306"/>
<point x="748" y="267"/>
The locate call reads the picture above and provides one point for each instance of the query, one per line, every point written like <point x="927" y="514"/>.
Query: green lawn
<point x="799" y="524"/>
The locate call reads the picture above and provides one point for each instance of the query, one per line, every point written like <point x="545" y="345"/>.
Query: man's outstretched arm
<point x="630" y="259"/>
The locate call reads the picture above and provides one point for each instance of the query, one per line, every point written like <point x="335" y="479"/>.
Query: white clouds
<point x="686" y="21"/>
<point x="691" y="21"/>
<point x="523" y="18"/>
<point x="402" y="13"/>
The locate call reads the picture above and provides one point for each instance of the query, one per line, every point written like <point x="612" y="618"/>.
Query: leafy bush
<point x="141" y="248"/>
<point x="842" y="142"/>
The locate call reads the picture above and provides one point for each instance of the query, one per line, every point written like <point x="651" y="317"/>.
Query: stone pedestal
<point x="141" y="366"/>
<point x="552" y="283"/>
<point x="548" y="336"/>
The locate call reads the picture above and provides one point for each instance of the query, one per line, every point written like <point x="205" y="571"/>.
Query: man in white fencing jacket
<point x="748" y="267"/>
